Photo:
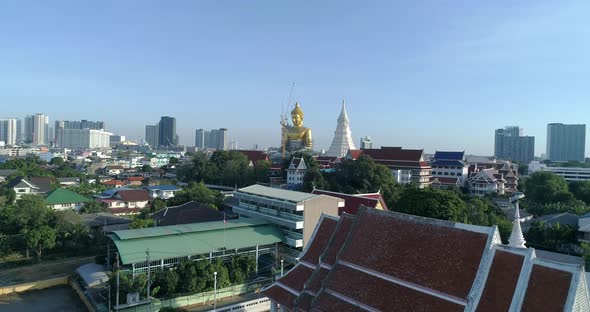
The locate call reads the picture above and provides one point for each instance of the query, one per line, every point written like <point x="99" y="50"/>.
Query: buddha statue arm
<point x="307" y="141"/>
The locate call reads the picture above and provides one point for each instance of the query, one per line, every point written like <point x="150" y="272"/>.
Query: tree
<point x="167" y="280"/>
<point x="432" y="203"/>
<point x="4" y="246"/>
<point x="40" y="238"/>
<point x="157" y="204"/>
<point x="556" y="237"/>
<point x="141" y="223"/>
<point x="546" y="187"/>
<point x="173" y="161"/>
<point x="146" y="168"/>
<point x="93" y="207"/>
<point x="198" y="192"/>
<point x="581" y="190"/>
<point x="187" y="283"/>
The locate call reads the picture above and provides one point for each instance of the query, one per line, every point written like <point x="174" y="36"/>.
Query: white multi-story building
<point x="295" y="213"/>
<point x="8" y="131"/>
<point x="449" y="168"/>
<point x="83" y="138"/>
<point x="485" y="182"/>
<point x="568" y="173"/>
<point x="36" y="129"/>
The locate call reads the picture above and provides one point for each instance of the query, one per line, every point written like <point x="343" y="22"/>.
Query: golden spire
<point x="297" y="110"/>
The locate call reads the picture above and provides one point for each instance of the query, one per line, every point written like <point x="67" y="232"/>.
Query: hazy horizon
<point x="440" y="75"/>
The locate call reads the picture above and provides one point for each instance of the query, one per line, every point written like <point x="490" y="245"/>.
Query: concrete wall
<point x="313" y="210"/>
<point x="34" y="285"/>
<point x="82" y="296"/>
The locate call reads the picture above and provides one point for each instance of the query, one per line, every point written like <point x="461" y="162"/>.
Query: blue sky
<point x="420" y="74"/>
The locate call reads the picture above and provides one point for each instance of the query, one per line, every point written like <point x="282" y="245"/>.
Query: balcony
<point x="290" y="221"/>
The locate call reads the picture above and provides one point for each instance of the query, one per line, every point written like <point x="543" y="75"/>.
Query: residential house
<point x="4" y="173"/>
<point x="406" y="165"/>
<point x="73" y="181"/>
<point x="113" y="170"/>
<point x="486" y="181"/>
<point x="296" y="172"/>
<point x="114" y="183"/>
<point x="127" y="201"/>
<point x="64" y="199"/>
<point x="191" y="212"/>
<point x="162" y="191"/>
<point x="31" y="186"/>
<point x="136" y="181"/>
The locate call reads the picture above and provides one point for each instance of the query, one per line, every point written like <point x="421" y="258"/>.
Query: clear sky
<point x="420" y="74"/>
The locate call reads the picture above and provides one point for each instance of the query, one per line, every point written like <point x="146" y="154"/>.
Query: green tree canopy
<point x="198" y="192"/>
<point x="546" y="187"/>
<point x="581" y="190"/>
<point x="40" y="238"/>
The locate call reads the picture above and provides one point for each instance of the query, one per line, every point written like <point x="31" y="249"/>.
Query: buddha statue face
<point x="297" y="120"/>
<point x="297" y="116"/>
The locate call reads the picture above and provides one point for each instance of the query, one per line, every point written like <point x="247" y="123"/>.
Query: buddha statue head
<point x="297" y="116"/>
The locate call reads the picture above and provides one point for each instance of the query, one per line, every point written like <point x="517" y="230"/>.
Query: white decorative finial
<point x="516" y="238"/>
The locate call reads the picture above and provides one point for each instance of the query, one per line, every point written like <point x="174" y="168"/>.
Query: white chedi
<point x="342" y="141"/>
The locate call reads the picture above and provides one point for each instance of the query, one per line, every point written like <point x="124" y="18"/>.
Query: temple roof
<point x="380" y="261"/>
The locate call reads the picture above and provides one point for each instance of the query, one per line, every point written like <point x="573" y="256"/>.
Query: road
<point x="54" y="299"/>
<point x="42" y="271"/>
<point x="223" y="303"/>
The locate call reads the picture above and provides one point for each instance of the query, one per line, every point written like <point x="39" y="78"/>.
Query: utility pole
<point x="214" y="291"/>
<point x="282" y="261"/>
<point x="147" y="252"/>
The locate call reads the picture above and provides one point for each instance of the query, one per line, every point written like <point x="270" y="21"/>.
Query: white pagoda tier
<point x="342" y="141"/>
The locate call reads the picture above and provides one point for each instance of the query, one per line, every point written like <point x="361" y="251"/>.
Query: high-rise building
<point x="8" y="131"/>
<point x="511" y="144"/>
<point x="167" y="131"/>
<point x="19" y="131"/>
<point x="215" y="139"/>
<point x="82" y="124"/>
<point x="37" y="129"/>
<point x="566" y="142"/>
<point x="342" y="141"/>
<point x="151" y="135"/>
<point x="83" y="138"/>
<point x="200" y="138"/>
<point x="366" y="143"/>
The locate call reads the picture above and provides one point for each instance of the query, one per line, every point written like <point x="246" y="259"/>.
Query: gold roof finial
<point x="297" y="110"/>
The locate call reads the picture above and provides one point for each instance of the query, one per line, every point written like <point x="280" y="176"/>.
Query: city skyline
<point x="438" y="77"/>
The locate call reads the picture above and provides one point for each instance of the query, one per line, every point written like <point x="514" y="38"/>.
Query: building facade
<point x="167" y="131"/>
<point x="511" y="144"/>
<point x="151" y="135"/>
<point x="295" y="213"/>
<point x="366" y="143"/>
<point x="568" y="173"/>
<point x="566" y="142"/>
<point x="9" y="131"/>
<point x="213" y="139"/>
<point x="449" y="168"/>
<point x="36" y="129"/>
<point x="82" y="138"/>
<point x="296" y="172"/>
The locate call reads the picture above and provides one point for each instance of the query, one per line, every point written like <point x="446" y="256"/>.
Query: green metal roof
<point x="64" y="196"/>
<point x="277" y="193"/>
<point x="187" y="228"/>
<point x="208" y="238"/>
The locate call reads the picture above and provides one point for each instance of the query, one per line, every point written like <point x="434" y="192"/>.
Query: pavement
<point x="222" y="303"/>
<point x="54" y="299"/>
<point x="42" y="271"/>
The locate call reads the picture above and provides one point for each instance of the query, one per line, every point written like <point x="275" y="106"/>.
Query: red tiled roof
<point x="501" y="283"/>
<point x="547" y="289"/>
<point x="370" y="290"/>
<point x="281" y="295"/>
<point x="114" y="182"/>
<point x="398" y="245"/>
<point x="351" y="202"/>
<point x="133" y="195"/>
<point x="255" y="156"/>
<point x="337" y="241"/>
<point x="394" y="153"/>
<point x="355" y="154"/>
<point x="450" y="181"/>
<point x="136" y="179"/>
<point x="318" y="244"/>
<point x="327" y="302"/>
<point x="297" y="277"/>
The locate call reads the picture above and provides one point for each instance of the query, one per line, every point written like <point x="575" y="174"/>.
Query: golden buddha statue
<point x="295" y="137"/>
